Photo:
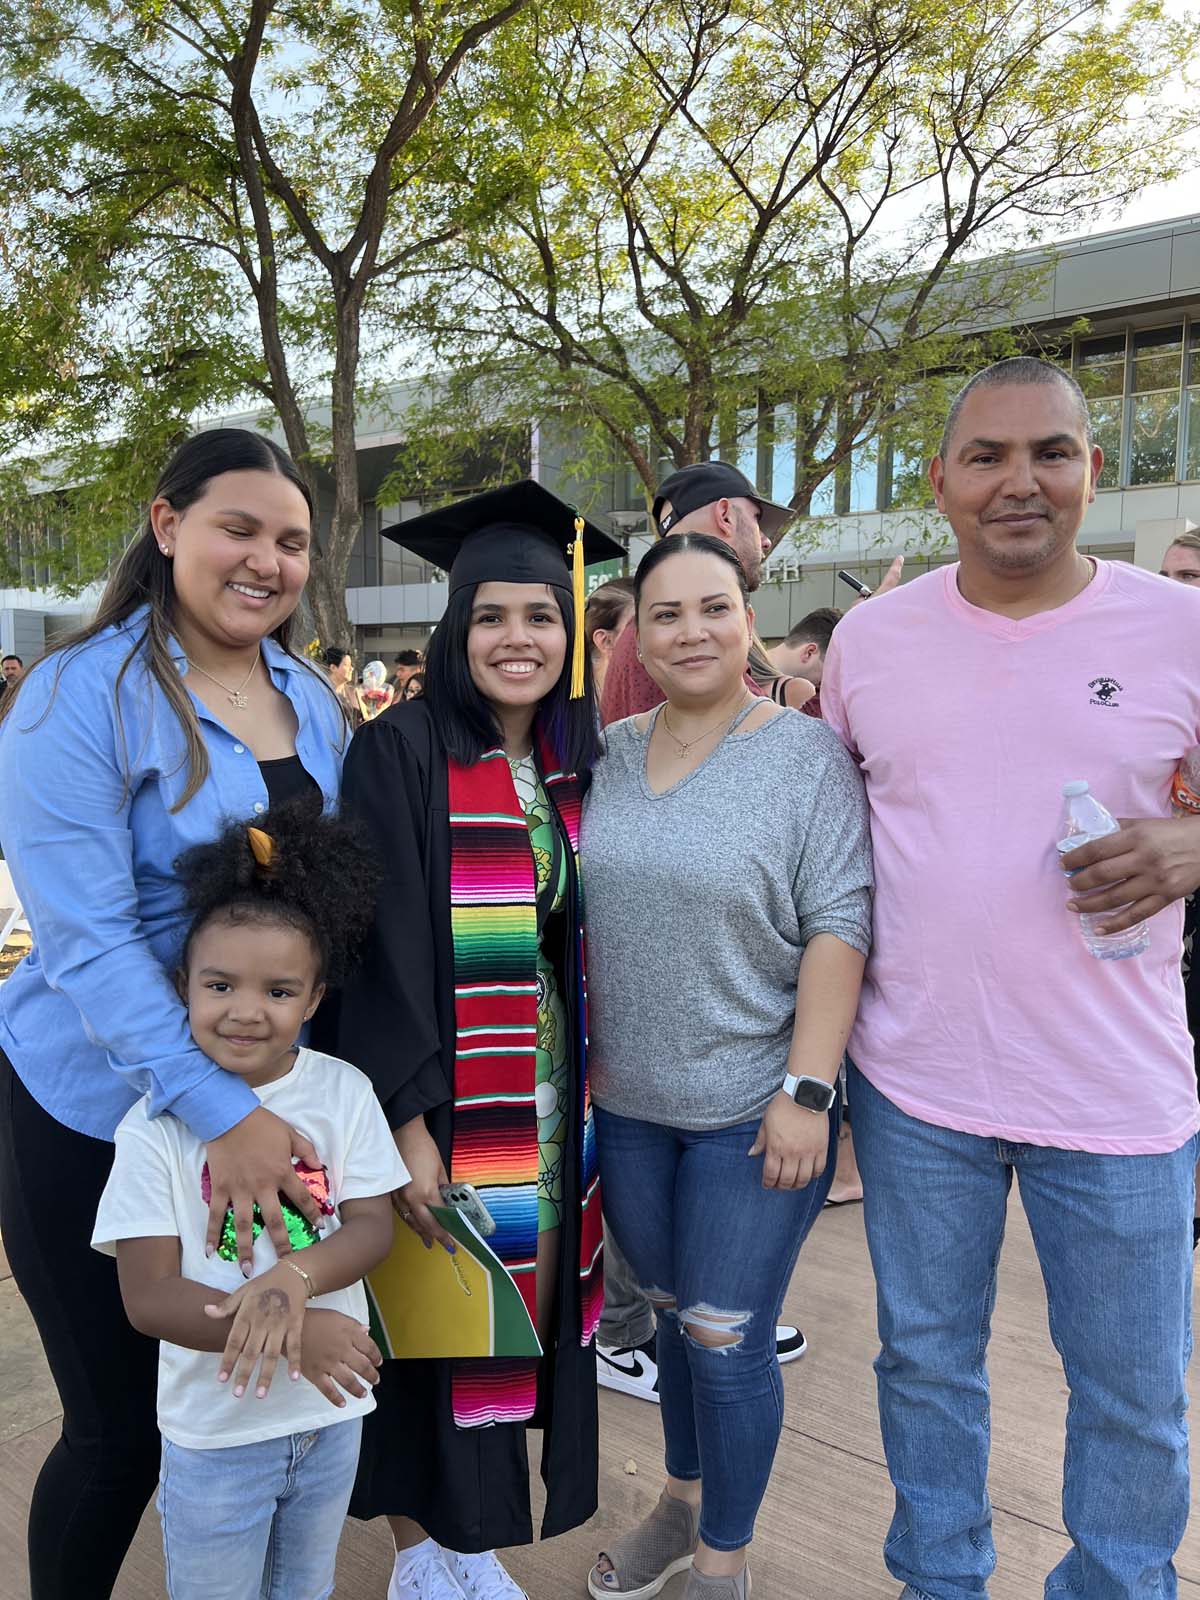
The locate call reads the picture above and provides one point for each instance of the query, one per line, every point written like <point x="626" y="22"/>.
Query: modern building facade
<point x="1137" y="289"/>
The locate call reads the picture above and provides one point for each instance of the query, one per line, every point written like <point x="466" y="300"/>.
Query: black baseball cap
<point x="518" y="534"/>
<point x="705" y="481"/>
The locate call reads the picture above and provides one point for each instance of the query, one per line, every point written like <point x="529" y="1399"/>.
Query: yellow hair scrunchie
<point x="262" y="846"/>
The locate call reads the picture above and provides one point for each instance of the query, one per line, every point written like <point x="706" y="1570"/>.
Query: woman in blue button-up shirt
<point x="178" y="708"/>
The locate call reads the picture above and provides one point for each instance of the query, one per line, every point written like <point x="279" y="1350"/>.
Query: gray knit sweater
<point x="699" y="902"/>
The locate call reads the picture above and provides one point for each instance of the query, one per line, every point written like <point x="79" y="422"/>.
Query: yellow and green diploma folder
<point x="430" y="1304"/>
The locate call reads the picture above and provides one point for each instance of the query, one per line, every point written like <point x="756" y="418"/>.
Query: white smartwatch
<point x="813" y="1094"/>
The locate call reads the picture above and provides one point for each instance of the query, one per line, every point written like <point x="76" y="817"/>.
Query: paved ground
<point x="821" y="1526"/>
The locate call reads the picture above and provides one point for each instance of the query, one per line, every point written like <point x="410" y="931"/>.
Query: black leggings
<point x="94" y="1484"/>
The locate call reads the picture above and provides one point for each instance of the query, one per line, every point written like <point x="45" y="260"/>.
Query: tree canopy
<point x="207" y="206"/>
<point x="666" y="225"/>
<point x="755" y="218"/>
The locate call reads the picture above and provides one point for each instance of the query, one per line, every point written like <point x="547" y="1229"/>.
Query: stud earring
<point x="163" y="548"/>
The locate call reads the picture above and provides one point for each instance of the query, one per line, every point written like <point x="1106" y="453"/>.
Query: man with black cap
<point x="717" y="498"/>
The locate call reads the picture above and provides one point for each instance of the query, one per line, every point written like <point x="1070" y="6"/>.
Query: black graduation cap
<point x="520" y="533"/>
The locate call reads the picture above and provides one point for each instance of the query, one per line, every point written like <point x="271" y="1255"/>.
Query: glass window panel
<point x="1106" y="426"/>
<point x="824" y="497"/>
<point x="910" y="481"/>
<point x="1191" y="462"/>
<point x="864" y="484"/>
<point x="1156" y="359"/>
<point x="783" y="455"/>
<point x="1193" y="373"/>
<point x="1153" y="435"/>
<point x="391" y="562"/>
<point x="1102" y="365"/>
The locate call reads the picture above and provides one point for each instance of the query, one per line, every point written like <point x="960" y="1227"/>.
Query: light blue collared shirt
<point x="91" y="1020"/>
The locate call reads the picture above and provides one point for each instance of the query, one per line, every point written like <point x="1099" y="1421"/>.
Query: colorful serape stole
<point x="493" y="920"/>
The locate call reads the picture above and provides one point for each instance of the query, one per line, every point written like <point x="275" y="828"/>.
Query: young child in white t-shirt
<point x="257" y="1472"/>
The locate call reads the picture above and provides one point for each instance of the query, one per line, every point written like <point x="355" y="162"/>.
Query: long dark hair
<point x="463" y="717"/>
<point x="143" y="576"/>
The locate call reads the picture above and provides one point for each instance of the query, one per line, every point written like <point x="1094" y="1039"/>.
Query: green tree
<point x="733" y="218"/>
<point x="206" y="206"/>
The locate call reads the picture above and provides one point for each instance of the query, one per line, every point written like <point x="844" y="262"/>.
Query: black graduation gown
<point x="468" y="1488"/>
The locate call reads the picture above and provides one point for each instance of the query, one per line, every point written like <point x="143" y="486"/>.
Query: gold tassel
<point x="262" y="846"/>
<point x="578" y="581"/>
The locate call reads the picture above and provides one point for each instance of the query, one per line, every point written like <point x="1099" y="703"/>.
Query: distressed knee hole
<point x="660" y="1299"/>
<point x="713" y="1328"/>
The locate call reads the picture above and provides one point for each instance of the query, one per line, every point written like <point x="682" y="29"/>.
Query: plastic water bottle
<point x="1185" y="786"/>
<point x="1085" y="819"/>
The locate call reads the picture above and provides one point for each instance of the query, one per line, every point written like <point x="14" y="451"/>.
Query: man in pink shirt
<point x="989" y="1042"/>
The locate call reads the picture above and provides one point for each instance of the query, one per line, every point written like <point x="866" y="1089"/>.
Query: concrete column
<point x="1152" y="538"/>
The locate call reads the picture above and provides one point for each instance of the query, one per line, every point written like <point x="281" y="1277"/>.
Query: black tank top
<point x="287" y="779"/>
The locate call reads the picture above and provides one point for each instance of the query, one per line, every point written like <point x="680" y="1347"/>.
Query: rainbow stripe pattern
<point x="493" y="921"/>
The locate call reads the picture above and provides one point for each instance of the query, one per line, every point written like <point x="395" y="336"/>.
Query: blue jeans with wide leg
<point x="1113" y="1238"/>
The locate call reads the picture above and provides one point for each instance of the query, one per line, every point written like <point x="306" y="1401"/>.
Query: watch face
<point x="814" y="1096"/>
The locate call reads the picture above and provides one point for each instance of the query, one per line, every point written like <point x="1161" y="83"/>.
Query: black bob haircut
<point x="464" y="718"/>
<point x="322" y="881"/>
<point x="678" y="544"/>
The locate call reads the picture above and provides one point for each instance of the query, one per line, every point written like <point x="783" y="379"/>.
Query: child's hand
<point x="338" y="1350"/>
<point x="268" y="1315"/>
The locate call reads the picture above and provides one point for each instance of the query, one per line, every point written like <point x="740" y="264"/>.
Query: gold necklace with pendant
<point x="684" y="748"/>
<point x="237" y="697"/>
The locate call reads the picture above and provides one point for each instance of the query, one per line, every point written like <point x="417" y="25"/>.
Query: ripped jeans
<point x="713" y="1251"/>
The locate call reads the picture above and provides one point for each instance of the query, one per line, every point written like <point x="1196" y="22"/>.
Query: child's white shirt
<point x="157" y="1188"/>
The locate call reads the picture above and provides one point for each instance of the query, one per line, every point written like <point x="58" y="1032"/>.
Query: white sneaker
<point x="420" y="1573"/>
<point x="482" y="1577"/>
<point x="790" y="1344"/>
<point x="630" y="1369"/>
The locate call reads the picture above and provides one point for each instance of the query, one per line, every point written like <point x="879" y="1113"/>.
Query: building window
<point x="1101" y="373"/>
<point x="1154" y="406"/>
<point x="1191" y="457"/>
<point x="862" y="478"/>
<point x="783" y="454"/>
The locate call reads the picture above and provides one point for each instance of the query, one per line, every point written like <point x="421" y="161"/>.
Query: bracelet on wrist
<point x="300" y="1272"/>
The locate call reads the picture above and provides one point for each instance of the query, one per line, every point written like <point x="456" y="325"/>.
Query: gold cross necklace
<point x="684" y="748"/>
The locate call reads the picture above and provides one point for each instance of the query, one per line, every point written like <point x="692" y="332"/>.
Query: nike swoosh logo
<point x="634" y="1371"/>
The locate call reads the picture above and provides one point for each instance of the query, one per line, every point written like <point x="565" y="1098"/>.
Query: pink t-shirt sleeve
<point x="833" y="706"/>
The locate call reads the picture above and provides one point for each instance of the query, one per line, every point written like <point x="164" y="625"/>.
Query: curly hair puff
<point x="322" y="880"/>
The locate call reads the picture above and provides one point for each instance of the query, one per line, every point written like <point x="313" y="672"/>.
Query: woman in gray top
<point x="728" y="867"/>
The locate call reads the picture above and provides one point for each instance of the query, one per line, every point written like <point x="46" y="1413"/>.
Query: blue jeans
<point x="711" y="1247"/>
<point x="1113" y="1237"/>
<point x="257" y="1521"/>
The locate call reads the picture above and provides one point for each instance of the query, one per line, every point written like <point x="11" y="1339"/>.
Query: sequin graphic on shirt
<point x="300" y="1230"/>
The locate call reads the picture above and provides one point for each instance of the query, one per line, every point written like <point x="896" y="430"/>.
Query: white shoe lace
<point x="426" y="1577"/>
<point x="483" y="1578"/>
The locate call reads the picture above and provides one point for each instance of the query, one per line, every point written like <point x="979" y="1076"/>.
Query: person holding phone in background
<point x="468" y="1015"/>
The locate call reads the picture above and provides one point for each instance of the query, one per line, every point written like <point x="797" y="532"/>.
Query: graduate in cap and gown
<point x="473" y="794"/>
